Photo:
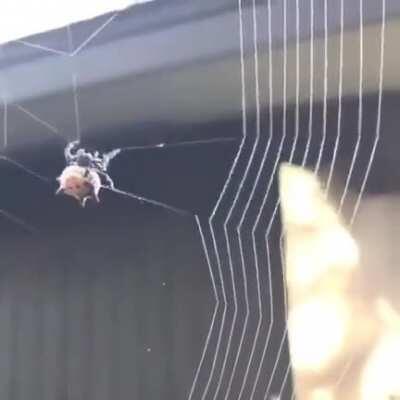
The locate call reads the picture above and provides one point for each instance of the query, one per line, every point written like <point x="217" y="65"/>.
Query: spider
<point x="86" y="173"/>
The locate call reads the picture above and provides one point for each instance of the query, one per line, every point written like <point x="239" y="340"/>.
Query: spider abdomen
<point x="80" y="183"/>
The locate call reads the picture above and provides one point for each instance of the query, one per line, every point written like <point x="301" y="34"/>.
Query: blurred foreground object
<point x="344" y="338"/>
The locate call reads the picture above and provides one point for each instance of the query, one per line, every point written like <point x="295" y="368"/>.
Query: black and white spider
<point x="86" y="173"/>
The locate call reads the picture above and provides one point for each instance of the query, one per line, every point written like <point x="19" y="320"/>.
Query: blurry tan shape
<point x="302" y="199"/>
<point x="313" y="345"/>
<point x="344" y="338"/>
<point x="322" y="394"/>
<point x="318" y="243"/>
<point x="389" y="316"/>
<point x="315" y="254"/>
<point x="381" y="376"/>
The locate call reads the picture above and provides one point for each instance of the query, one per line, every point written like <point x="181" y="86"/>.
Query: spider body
<point x="80" y="183"/>
<point x="85" y="173"/>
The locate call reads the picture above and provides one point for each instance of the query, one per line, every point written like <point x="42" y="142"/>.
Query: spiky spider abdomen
<point x="80" y="183"/>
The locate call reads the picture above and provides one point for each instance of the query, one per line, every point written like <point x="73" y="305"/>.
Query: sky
<point x="22" y="18"/>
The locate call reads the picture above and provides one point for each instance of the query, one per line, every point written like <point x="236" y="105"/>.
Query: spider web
<point x="73" y="51"/>
<point x="238" y="244"/>
<point x="220" y="236"/>
<point x="89" y="12"/>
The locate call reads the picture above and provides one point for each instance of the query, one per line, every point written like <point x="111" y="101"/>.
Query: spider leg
<point x="27" y="170"/>
<point x="18" y="221"/>
<point x="107" y="157"/>
<point x="83" y="202"/>
<point x="68" y="151"/>
<point x="146" y="200"/>
<point x="178" y="144"/>
<point x="96" y="197"/>
<point x="107" y="177"/>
